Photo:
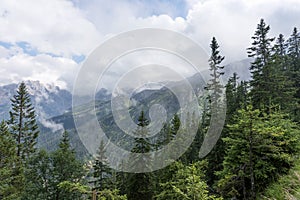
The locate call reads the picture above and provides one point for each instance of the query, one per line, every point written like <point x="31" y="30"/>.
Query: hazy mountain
<point x="53" y="106"/>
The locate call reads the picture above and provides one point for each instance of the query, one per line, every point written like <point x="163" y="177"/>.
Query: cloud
<point x="49" y="123"/>
<point x="233" y="22"/>
<point x="48" y="40"/>
<point x="17" y="66"/>
<point x="54" y="26"/>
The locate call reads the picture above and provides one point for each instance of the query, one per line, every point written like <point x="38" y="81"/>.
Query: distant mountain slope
<point x="142" y="101"/>
<point x="53" y="105"/>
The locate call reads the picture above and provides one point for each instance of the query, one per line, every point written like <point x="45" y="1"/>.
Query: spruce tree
<point x="231" y="95"/>
<point x="187" y="183"/>
<point x="40" y="180"/>
<point x="294" y="46"/>
<point x="214" y="85"/>
<point x="65" y="168"/>
<point x="23" y="124"/>
<point x="261" y="52"/>
<point x="282" y="86"/>
<point x="259" y="147"/>
<point x="139" y="185"/>
<point x="24" y="129"/>
<point x="101" y="171"/>
<point x="294" y="62"/>
<point x="216" y="109"/>
<point x="175" y="124"/>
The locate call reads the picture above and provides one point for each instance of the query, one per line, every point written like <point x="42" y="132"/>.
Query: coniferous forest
<point x="256" y="157"/>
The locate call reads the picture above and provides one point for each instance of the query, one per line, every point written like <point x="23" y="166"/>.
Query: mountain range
<point x="54" y="113"/>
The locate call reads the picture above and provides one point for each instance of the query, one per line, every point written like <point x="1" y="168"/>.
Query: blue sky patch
<point x="173" y="8"/>
<point x="27" y="48"/>
<point x="6" y="45"/>
<point x="78" y="58"/>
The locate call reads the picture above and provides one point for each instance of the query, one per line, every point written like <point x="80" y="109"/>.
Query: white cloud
<point x="42" y="67"/>
<point x="233" y="22"/>
<point x="54" y="26"/>
<point x="68" y="28"/>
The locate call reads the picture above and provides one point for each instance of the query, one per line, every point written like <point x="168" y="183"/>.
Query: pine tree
<point x="261" y="53"/>
<point x="23" y="124"/>
<point x="139" y="185"/>
<point x="8" y="160"/>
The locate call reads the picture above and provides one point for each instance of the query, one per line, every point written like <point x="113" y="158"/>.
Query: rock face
<point x="48" y="100"/>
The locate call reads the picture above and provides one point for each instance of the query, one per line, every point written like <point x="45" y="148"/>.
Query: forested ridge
<point x="257" y="156"/>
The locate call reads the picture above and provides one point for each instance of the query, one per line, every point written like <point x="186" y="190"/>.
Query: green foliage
<point x="101" y="171"/>
<point x="72" y="187"/>
<point x="52" y="176"/>
<point x="40" y="182"/>
<point x="287" y="186"/>
<point x="259" y="148"/>
<point x="111" y="195"/>
<point x="187" y="183"/>
<point x="66" y="167"/>
<point x="9" y="179"/>
<point x="294" y="66"/>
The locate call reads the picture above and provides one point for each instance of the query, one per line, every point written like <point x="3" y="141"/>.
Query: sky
<point x="49" y="40"/>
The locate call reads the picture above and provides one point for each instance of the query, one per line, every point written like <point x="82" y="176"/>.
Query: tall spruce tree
<point x="23" y="124"/>
<point x="24" y="129"/>
<point x="261" y="51"/>
<point x="139" y="185"/>
<point x="294" y="46"/>
<point x="214" y="85"/>
<point x="215" y="88"/>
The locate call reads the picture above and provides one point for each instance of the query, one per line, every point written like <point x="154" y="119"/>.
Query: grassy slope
<point x="286" y="188"/>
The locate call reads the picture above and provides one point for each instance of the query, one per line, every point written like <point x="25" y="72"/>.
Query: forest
<point x="257" y="156"/>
